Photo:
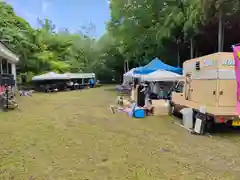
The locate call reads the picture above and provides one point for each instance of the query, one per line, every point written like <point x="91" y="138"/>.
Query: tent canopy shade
<point x="80" y="75"/>
<point x="128" y="76"/>
<point x="50" y="76"/>
<point x="161" y="75"/>
<point x="131" y="72"/>
<point x="157" y="64"/>
<point x="66" y="76"/>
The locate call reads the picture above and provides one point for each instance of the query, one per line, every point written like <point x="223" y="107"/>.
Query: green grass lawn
<point x="73" y="135"/>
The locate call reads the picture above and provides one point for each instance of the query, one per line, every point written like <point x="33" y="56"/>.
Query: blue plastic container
<point x="139" y="113"/>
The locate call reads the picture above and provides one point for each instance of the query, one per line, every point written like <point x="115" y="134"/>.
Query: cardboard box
<point x="160" y="107"/>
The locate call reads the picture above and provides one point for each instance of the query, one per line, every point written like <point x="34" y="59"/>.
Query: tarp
<point x="161" y="75"/>
<point x="157" y="64"/>
<point x="50" y="76"/>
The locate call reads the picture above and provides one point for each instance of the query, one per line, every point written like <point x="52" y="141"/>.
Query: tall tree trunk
<point x="196" y="51"/>
<point x="191" y="48"/>
<point x="223" y="30"/>
<point x="1" y="69"/>
<point x="178" y="55"/>
<point x="220" y="29"/>
<point x="124" y="66"/>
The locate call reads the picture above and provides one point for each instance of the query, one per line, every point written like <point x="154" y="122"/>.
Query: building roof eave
<point x="9" y="55"/>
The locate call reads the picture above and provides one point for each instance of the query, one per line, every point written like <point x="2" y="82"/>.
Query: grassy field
<point x="73" y="135"/>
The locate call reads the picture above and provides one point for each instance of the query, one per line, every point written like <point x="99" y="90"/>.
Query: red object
<point x="2" y="88"/>
<point x="221" y="119"/>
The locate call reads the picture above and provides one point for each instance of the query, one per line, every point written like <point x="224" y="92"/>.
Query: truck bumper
<point x="229" y="120"/>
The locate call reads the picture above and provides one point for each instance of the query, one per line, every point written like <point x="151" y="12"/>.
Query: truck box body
<point x="210" y="82"/>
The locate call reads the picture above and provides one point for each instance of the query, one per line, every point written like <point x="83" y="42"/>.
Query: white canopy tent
<point x="51" y="76"/>
<point x="128" y="76"/>
<point x="80" y="75"/>
<point x="161" y="75"/>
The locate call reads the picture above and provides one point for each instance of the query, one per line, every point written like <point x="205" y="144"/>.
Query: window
<point x="198" y="65"/>
<point x="179" y="87"/>
<point x="4" y="66"/>
<point x="9" y="68"/>
<point x="86" y="80"/>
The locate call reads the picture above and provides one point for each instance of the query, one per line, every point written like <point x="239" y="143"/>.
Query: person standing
<point x="91" y="83"/>
<point x="147" y="92"/>
<point x="76" y="85"/>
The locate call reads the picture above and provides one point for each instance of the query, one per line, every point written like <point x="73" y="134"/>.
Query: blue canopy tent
<point x="157" y="64"/>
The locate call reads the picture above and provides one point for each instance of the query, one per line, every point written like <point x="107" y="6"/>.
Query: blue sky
<point x="71" y="14"/>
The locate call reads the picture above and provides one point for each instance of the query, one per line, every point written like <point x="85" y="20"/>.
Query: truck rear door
<point x="227" y="93"/>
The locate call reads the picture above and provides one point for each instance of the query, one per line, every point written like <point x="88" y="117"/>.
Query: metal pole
<point x="1" y="69"/>
<point x="7" y="94"/>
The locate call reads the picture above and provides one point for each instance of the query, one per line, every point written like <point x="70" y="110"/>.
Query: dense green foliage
<point x="173" y="30"/>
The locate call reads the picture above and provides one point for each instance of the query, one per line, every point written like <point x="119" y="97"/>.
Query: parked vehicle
<point x="209" y="82"/>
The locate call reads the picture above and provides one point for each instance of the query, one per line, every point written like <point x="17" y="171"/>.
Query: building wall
<point x="14" y="71"/>
<point x="10" y="68"/>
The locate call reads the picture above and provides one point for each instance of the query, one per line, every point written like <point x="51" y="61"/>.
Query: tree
<point x="137" y="32"/>
<point x="220" y="9"/>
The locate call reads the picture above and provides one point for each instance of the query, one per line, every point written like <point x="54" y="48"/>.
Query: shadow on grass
<point x="225" y="130"/>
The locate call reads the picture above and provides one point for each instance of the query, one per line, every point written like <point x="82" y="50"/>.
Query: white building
<point x="8" y="61"/>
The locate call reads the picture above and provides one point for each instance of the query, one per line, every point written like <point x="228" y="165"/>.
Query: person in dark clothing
<point x="140" y="95"/>
<point x="147" y="92"/>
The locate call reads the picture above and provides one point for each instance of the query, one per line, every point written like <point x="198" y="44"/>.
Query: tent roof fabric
<point x="157" y="64"/>
<point x="80" y="75"/>
<point x="128" y="76"/>
<point x="66" y="76"/>
<point x="161" y="75"/>
<point x="131" y="73"/>
<point x="50" y="76"/>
